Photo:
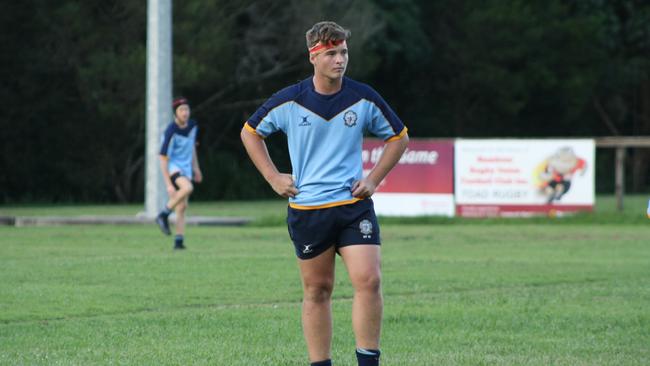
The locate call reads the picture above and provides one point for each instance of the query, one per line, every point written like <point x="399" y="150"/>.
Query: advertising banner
<point x="523" y="177"/>
<point x="421" y="183"/>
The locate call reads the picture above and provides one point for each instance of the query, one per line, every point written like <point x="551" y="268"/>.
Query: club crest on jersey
<point x="350" y="118"/>
<point x="365" y="227"/>
<point x="304" y="122"/>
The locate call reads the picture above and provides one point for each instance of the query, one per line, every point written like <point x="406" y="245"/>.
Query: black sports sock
<point x="368" y="357"/>
<point x="166" y="211"/>
<point x="322" y="363"/>
<point x="178" y="240"/>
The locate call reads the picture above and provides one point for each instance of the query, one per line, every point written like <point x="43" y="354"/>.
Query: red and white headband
<point x="325" y="46"/>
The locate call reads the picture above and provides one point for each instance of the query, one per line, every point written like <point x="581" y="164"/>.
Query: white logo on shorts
<point x="307" y="249"/>
<point x="365" y="226"/>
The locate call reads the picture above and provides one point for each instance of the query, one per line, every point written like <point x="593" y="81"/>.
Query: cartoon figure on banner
<point x="555" y="173"/>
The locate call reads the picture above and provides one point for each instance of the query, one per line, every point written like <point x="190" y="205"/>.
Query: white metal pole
<point x="159" y="97"/>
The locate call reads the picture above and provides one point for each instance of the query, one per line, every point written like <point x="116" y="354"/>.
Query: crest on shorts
<point x="350" y="118"/>
<point x="365" y="227"/>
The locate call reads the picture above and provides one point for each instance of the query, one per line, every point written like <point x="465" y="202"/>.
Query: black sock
<point x="166" y="211"/>
<point x="368" y="357"/>
<point x="322" y="363"/>
<point x="178" y="240"/>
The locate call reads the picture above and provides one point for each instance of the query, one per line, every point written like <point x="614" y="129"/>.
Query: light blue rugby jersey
<point x="325" y="135"/>
<point x="178" y="145"/>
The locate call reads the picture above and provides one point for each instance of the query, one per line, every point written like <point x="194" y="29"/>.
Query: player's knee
<point x="189" y="188"/>
<point x="318" y="291"/>
<point x="180" y="208"/>
<point x="368" y="282"/>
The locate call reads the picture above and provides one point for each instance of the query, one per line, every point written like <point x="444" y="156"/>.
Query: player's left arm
<point x="393" y="151"/>
<point x="196" y="169"/>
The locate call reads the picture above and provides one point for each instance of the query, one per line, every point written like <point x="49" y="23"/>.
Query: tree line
<point x="73" y="81"/>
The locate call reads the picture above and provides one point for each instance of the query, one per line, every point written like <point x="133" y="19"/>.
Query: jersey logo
<point x="365" y="227"/>
<point x="350" y="118"/>
<point x="304" y="121"/>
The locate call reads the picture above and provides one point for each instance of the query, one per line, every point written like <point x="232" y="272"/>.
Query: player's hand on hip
<point x="283" y="185"/>
<point x="363" y="188"/>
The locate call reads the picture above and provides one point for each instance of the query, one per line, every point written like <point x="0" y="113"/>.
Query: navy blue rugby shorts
<point x="314" y="231"/>
<point x="174" y="177"/>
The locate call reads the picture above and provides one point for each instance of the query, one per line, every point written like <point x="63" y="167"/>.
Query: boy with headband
<point x="330" y="210"/>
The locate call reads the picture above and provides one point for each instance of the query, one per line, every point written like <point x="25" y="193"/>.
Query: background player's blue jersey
<point x="325" y="135"/>
<point x="178" y="145"/>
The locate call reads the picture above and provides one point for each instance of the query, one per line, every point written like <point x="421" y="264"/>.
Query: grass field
<point x="457" y="292"/>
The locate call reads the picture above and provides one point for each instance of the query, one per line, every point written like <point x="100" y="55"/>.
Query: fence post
<point x="620" y="177"/>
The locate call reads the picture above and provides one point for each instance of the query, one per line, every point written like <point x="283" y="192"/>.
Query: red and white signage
<point x="421" y="183"/>
<point x="523" y="177"/>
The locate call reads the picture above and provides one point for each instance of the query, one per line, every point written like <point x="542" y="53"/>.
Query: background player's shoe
<point x="178" y="246"/>
<point x="163" y="222"/>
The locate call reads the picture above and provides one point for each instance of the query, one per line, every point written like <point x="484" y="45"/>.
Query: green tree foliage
<point x="76" y="96"/>
<point x="73" y="80"/>
<point x="505" y="68"/>
<point x="255" y="49"/>
<point x="621" y="99"/>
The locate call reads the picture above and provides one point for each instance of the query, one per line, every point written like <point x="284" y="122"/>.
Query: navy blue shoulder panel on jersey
<point x="173" y="129"/>
<point x="285" y="95"/>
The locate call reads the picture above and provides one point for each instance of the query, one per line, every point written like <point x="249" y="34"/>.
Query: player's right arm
<point x="282" y="184"/>
<point x="164" y="160"/>
<point x="164" y="168"/>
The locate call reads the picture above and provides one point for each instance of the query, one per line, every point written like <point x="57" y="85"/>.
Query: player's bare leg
<point x="318" y="282"/>
<point x="550" y="194"/>
<point x="559" y="191"/>
<point x="185" y="188"/>
<point x="363" y="263"/>
<point x="180" y="224"/>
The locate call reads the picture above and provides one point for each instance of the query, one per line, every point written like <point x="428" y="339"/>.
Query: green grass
<point x="226" y="208"/>
<point x="273" y="212"/>
<point x="469" y="294"/>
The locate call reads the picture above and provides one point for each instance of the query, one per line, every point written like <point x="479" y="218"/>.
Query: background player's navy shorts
<point x="313" y="231"/>
<point x="175" y="176"/>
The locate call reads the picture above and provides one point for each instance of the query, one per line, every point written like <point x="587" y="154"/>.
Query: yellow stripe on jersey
<point x="397" y="137"/>
<point x="327" y="205"/>
<point x="252" y="130"/>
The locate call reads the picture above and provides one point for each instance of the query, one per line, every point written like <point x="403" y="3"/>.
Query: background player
<point x="180" y="166"/>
